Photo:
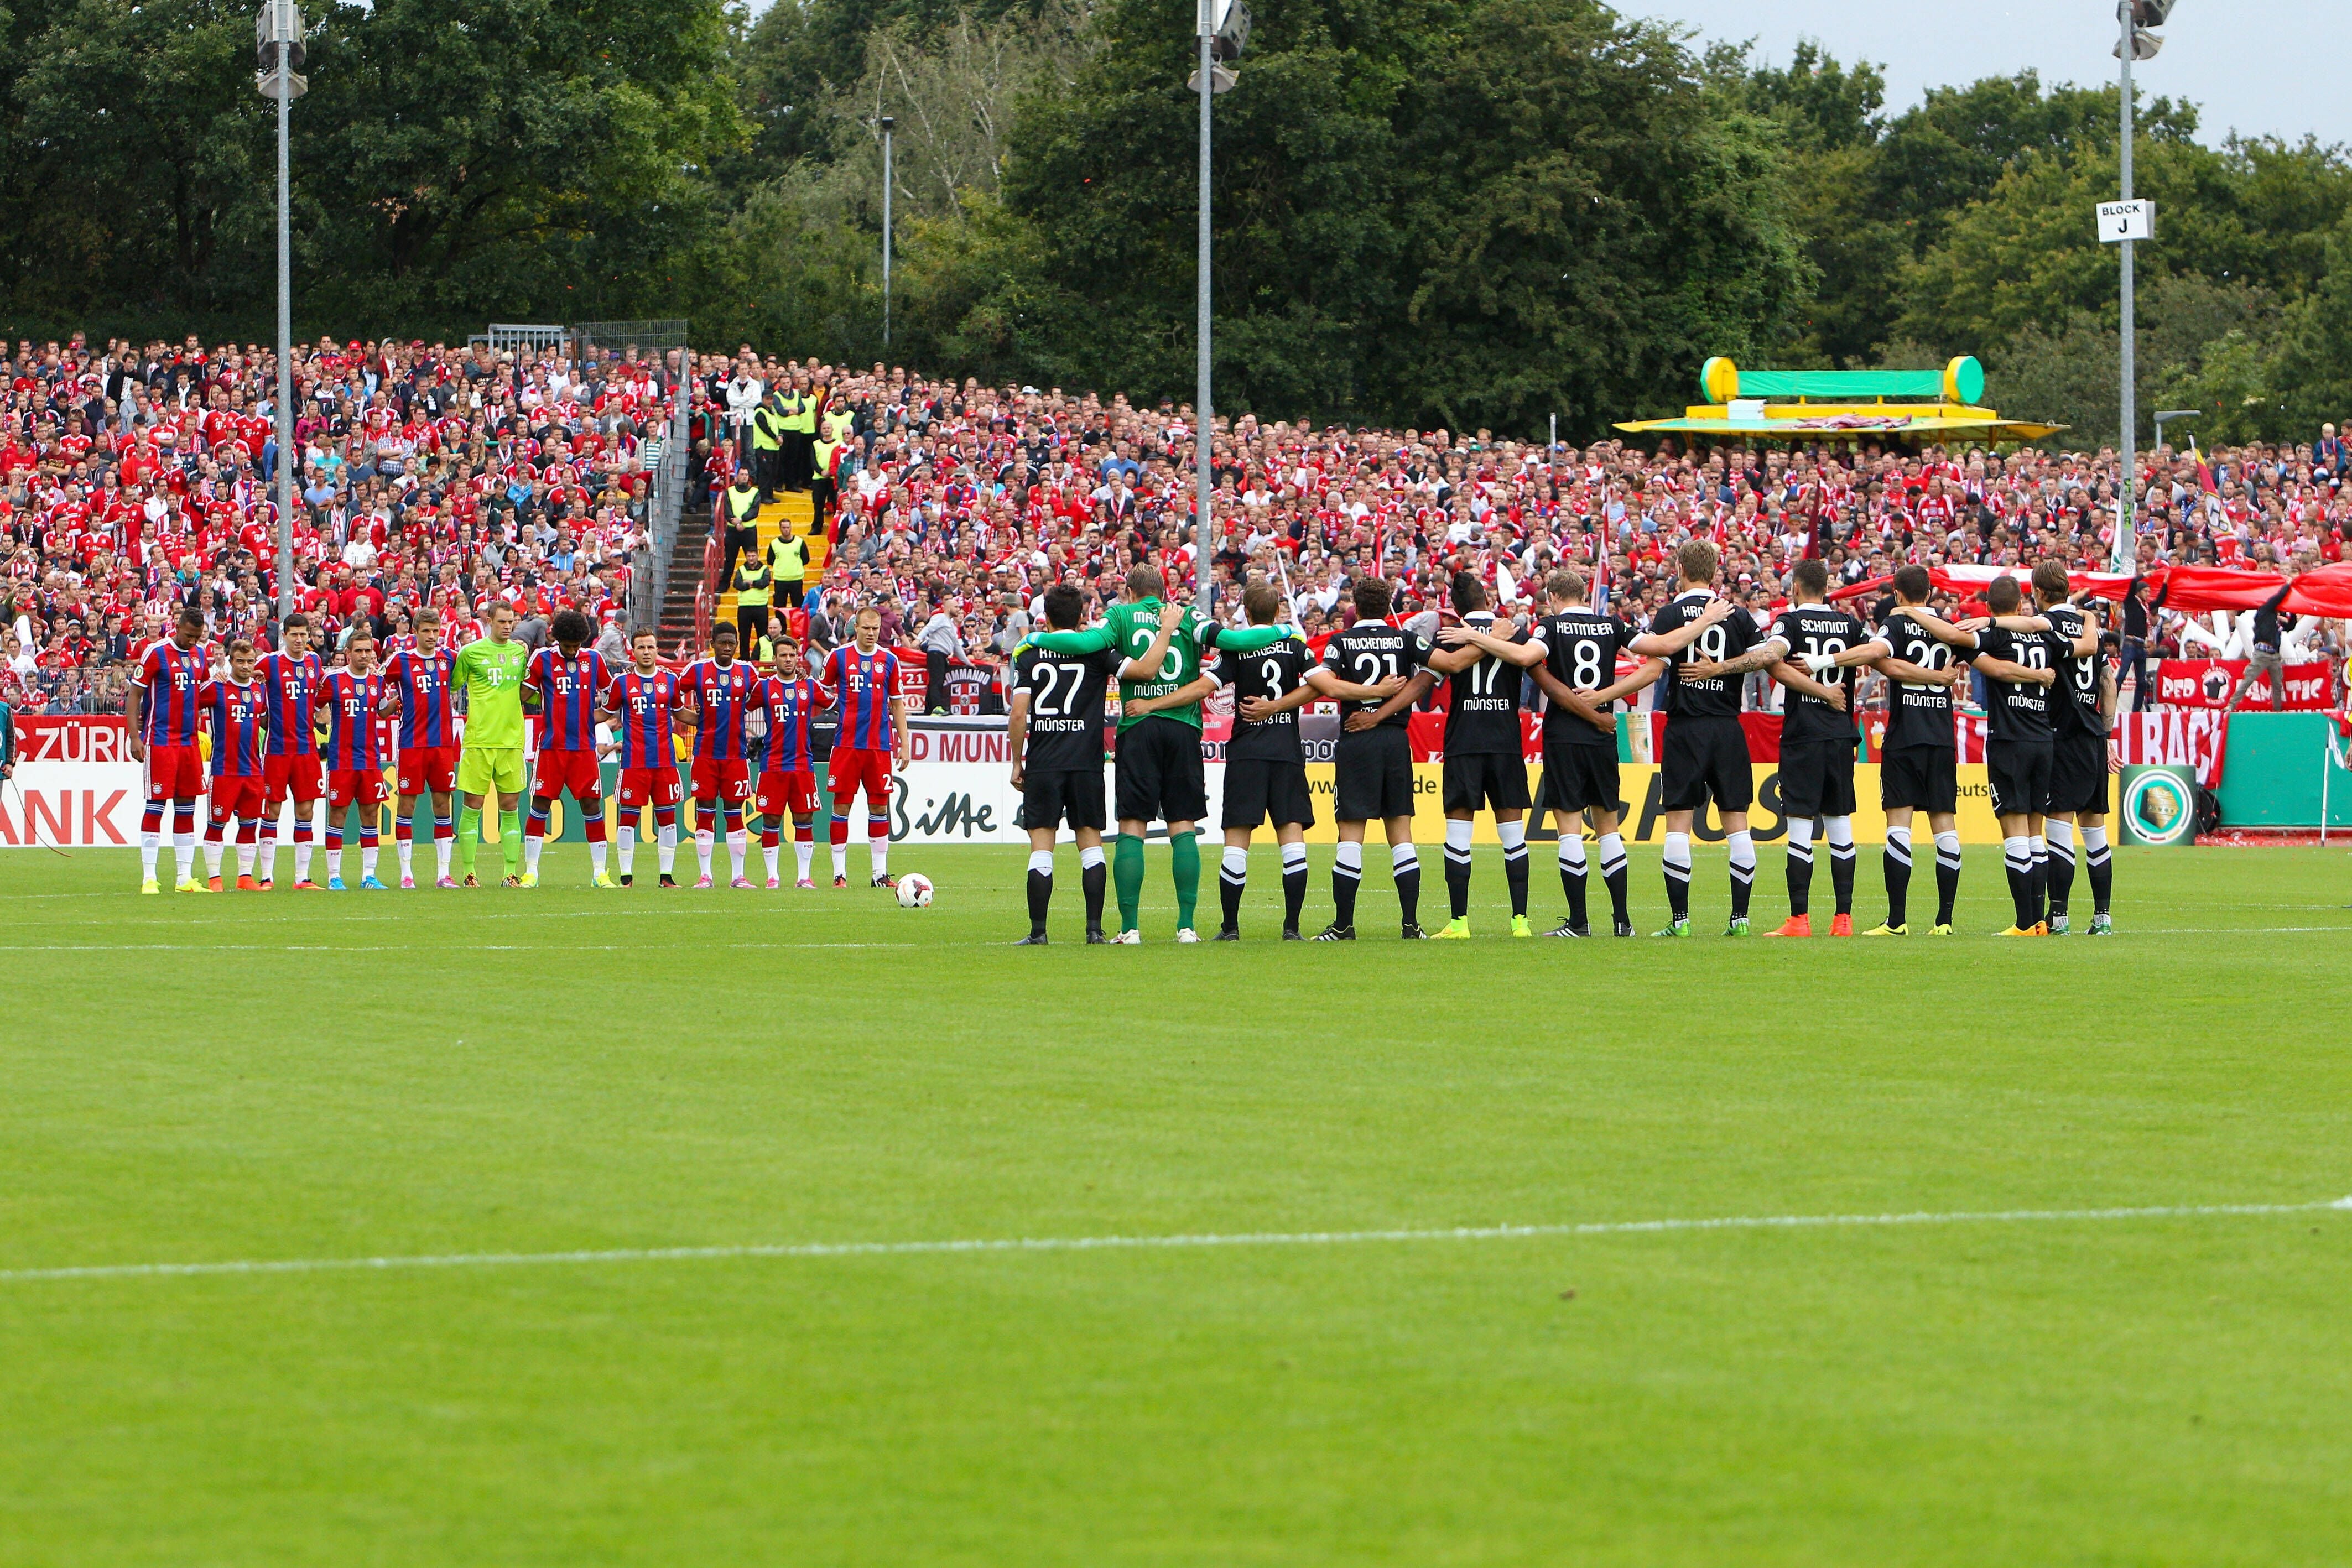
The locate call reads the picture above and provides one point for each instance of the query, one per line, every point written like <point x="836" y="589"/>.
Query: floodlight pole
<point x="285" y="361"/>
<point x="2125" y="553"/>
<point x="1202" y="438"/>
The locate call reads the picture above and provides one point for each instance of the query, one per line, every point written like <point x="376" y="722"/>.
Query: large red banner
<point x="2207" y="683"/>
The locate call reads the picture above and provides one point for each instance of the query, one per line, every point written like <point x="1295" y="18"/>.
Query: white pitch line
<point x="1142" y="1243"/>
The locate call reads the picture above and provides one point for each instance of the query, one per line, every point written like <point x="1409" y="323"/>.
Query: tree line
<point x="1478" y="213"/>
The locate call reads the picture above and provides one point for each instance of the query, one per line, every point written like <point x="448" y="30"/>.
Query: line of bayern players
<point x="285" y="728"/>
<point x="2051" y="697"/>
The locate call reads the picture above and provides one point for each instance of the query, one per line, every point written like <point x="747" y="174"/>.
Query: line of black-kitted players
<point x="2046" y="683"/>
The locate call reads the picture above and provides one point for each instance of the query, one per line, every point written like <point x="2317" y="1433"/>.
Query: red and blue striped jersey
<point x="173" y="678"/>
<point x="291" y="687"/>
<point x="722" y="699"/>
<point x="642" y="705"/>
<point x="792" y="707"/>
<point x="568" y="692"/>
<point x="238" y="715"/>
<point x="349" y="702"/>
<point x="867" y="682"/>
<point x="422" y="679"/>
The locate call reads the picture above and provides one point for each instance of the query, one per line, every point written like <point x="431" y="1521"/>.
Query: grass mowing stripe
<point x="1114" y="1243"/>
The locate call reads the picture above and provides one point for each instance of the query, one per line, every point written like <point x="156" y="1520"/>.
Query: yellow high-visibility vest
<point x="788" y="559"/>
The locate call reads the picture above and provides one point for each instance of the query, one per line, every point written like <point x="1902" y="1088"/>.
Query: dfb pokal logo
<point x="2159" y="808"/>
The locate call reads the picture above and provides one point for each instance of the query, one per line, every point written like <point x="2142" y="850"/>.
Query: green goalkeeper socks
<point x="1127" y="875"/>
<point x="1187" y="854"/>
<point x="511" y="839"/>
<point x="469" y="835"/>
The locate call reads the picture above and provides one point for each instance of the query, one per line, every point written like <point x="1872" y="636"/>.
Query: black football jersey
<point x="1482" y="703"/>
<point x="1066" y="706"/>
<point x="2078" y="679"/>
<point x="2020" y="711"/>
<point x="1917" y="715"/>
<point x="1581" y="648"/>
<point x="1819" y="628"/>
<point x="1728" y="639"/>
<point x="1272" y="673"/>
<point x="1368" y="652"/>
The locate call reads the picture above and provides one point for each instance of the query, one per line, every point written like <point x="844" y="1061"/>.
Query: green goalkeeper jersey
<point x="1132" y="627"/>
<point x="490" y="673"/>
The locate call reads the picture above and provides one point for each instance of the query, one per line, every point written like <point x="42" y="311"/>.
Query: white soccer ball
<point x="914" y="890"/>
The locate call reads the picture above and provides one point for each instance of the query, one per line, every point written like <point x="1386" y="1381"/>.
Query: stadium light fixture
<point x="1223" y="29"/>
<point x="2135" y="41"/>
<point x="279" y="54"/>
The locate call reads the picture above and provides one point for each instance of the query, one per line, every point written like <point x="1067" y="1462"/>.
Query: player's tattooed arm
<point x="1765" y="655"/>
<point x="1794" y="677"/>
<point x="1589" y="707"/>
<point x="1182" y="695"/>
<point x="1632" y="685"/>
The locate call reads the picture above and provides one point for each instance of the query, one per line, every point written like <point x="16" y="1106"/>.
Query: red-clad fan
<point x="872" y="741"/>
<point x="640" y="702"/>
<point x="566" y="682"/>
<point x="721" y="690"/>
<point x="291" y="679"/>
<point x="349" y="701"/>
<point x="790" y="701"/>
<point x="163" y="718"/>
<point x="236" y="711"/>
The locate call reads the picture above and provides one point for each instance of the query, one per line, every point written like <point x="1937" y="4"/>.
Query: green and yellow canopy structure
<point x="1844" y="405"/>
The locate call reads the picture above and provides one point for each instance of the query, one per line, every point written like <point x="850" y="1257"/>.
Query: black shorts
<point x="1816" y="780"/>
<point x="1072" y="796"/>
<point x="1484" y="780"/>
<point x="2019" y="773"/>
<point x="1373" y="770"/>
<point x="1160" y="774"/>
<point x="1260" y="789"/>
<point x="1922" y="777"/>
<point x="2078" y="775"/>
<point x="1703" y="760"/>
<point x="1576" y="777"/>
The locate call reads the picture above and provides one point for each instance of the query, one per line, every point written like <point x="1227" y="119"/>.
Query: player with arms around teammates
<point x="1371" y="765"/>
<point x="2019" y="668"/>
<point x="1809" y="650"/>
<point x="719" y="690"/>
<point x="1919" y="756"/>
<point x="1160" y="773"/>
<point x="2078" y="754"/>
<point x="1705" y="753"/>
<point x="291" y="679"/>
<point x="1056" y="744"/>
<point x="1573" y="651"/>
<point x="1265" y="762"/>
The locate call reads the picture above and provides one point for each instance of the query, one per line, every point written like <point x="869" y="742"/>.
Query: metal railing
<point x="666" y="454"/>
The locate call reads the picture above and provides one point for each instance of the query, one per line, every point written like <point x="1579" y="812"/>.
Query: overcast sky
<point x="2261" y="66"/>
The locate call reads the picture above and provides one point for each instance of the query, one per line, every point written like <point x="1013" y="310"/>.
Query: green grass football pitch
<point x="464" y="1084"/>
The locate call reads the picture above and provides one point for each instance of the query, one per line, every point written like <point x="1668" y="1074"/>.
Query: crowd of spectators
<point x="135" y="478"/>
